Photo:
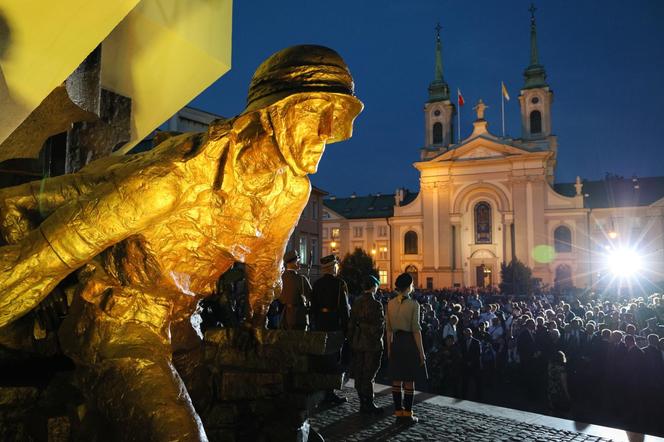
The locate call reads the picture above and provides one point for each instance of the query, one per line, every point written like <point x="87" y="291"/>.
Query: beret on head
<point x="403" y="281"/>
<point x="369" y="282"/>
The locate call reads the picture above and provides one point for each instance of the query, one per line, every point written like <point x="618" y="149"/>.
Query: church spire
<point x="438" y="75"/>
<point x="533" y="36"/>
<point x="438" y="88"/>
<point x="535" y="75"/>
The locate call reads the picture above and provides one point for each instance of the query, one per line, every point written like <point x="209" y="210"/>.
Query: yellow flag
<point x="504" y="89"/>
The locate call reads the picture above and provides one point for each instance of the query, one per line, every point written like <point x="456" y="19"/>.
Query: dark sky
<point x="604" y="60"/>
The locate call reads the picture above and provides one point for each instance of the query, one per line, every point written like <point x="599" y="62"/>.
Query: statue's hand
<point x="15" y="222"/>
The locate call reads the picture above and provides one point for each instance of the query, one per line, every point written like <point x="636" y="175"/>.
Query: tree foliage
<point x="517" y="279"/>
<point x="355" y="266"/>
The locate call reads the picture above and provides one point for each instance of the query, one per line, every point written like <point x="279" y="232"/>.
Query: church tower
<point x="438" y="111"/>
<point x="536" y="98"/>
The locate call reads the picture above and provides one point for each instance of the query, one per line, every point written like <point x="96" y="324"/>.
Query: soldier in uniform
<point x="330" y="310"/>
<point x="365" y="333"/>
<point x="295" y="295"/>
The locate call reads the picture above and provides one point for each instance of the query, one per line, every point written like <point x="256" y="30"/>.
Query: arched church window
<point x="410" y="243"/>
<point x="562" y="238"/>
<point x="437" y="133"/>
<point x="482" y="223"/>
<point x="535" y="122"/>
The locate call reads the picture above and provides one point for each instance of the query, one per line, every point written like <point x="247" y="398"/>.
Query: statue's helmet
<point x="306" y="69"/>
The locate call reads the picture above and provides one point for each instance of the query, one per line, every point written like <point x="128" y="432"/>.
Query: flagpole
<point x="458" y="121"/>
<point x="502" y="106"/>
<point x="458" y="116"/>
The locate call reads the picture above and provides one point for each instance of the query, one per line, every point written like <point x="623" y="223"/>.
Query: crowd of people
<point x="587" y="357"/>
<point x="582" y="355"/>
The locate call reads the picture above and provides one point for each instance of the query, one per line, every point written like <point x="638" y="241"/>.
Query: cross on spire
<point x="438" y="89"/>
<point x="532" y="10"/>
<point x="535" y="75"/>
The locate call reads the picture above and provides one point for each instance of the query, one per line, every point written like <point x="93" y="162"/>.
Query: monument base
<point x="264" y="391"/>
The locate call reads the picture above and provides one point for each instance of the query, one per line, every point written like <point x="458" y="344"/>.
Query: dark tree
<point x="517" y="279"/>
<point x="356" y="265"/>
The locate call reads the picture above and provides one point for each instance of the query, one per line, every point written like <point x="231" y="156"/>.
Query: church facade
<point x="486" y="200"/>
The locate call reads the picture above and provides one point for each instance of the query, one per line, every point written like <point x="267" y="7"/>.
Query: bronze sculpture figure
<point x="151" y="233"/>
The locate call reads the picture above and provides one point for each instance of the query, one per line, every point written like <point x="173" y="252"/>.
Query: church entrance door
<point x="483" y="276"/>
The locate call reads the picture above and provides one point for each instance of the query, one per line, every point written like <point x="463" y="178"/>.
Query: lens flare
<point x="624" y="262"/>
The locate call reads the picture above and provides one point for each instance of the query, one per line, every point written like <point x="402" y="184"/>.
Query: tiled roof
<point x="370" y="206"/>
<point x="617" y="191"/>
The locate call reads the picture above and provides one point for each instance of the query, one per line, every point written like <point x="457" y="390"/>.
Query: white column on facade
<point x="529" y="225"/>
<point x="503" y="227"/>
<point x="436" y="246"/>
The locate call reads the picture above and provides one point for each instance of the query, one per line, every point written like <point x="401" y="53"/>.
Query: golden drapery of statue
<point x="150" y="234"/>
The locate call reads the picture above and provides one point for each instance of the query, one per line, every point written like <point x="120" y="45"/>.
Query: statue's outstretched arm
<point x="75" y="233"/>
<point x="23" y="207"/>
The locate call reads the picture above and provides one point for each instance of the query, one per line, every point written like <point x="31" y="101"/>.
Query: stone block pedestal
<point x="268" y="392"/>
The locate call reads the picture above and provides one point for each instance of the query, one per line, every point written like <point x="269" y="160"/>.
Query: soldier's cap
<point x="329" y="260"/>
<point x="291" y="256"/>
<point x="369" y="282"/>
<point x="305" y="69"/>
<point x="403" y="281"/>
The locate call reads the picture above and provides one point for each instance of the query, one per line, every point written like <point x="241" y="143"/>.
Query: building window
<point x="303" y="250"/>
<point x="335" y="233"/>
<point x="357" y="232"/>
<point x="482" y="223"/>
<point x="535" y="122"/>
<point x="562" y="237"/>
<point x="437" y="133"/>
<point x="382" y="231"/>
<point x="382" y="252"/>
<point x="325" y="232"/>
<point x="410" y="243"/>
<point x="326" y="214"/>
<point x="314" y="251"/>
<point x="314" y="209"/>
<point x="429" y="283"/>
<point x="382" y="275"/>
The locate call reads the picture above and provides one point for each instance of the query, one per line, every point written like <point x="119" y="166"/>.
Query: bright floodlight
<point x="624" y="262"/>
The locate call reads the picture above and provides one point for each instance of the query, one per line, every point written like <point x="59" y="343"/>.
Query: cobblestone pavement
<point x="437" y="422"/>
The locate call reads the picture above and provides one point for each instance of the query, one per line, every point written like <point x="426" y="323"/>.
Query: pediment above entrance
<point x="481" y="152"/>
<point x="480" y="148"/>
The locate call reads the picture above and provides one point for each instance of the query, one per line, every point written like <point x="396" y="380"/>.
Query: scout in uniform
<point x="295" y="295"/>
<point x="365" y="333"/>
<point x="330" y="311"/>
<point x="404" y="348"/>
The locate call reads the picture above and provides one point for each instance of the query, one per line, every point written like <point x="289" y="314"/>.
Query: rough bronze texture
<point x="149" y="235"/>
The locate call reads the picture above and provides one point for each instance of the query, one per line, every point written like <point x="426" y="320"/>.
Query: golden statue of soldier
<point x="151" y="233"/>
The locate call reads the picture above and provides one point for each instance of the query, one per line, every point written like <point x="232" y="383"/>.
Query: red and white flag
<point x="460" y="98"/>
